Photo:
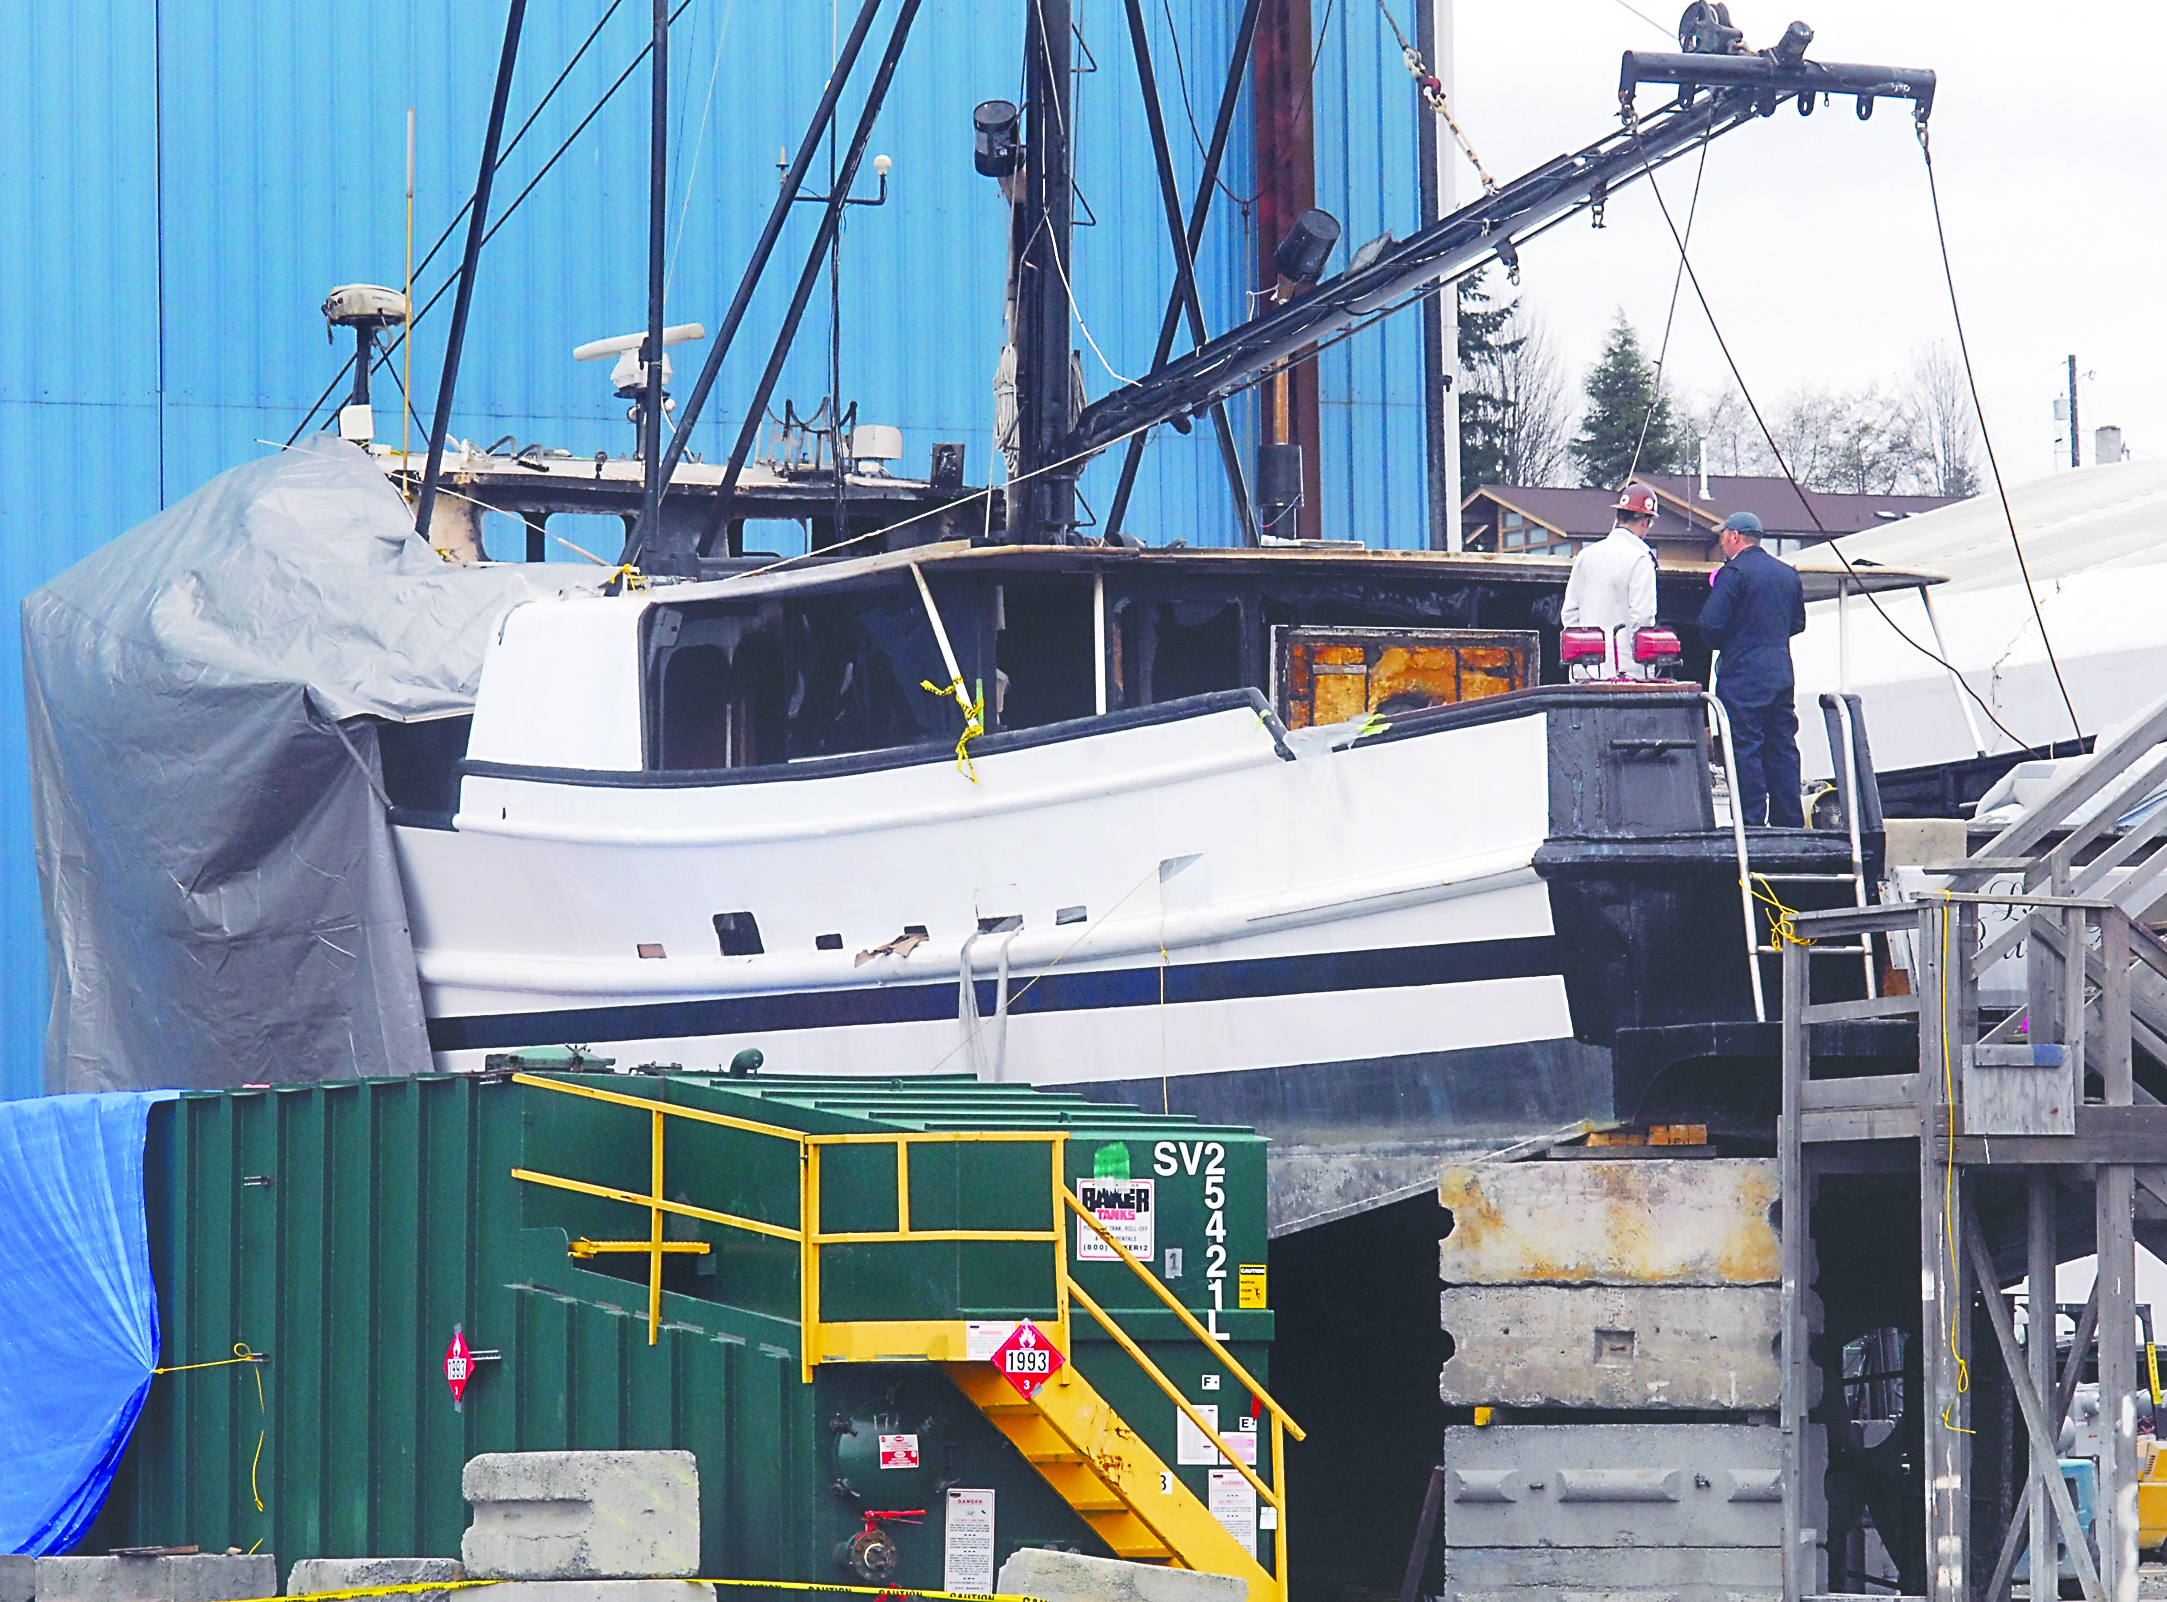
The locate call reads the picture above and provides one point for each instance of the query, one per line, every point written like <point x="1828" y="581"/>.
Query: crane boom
<point x="1717" y="92"/>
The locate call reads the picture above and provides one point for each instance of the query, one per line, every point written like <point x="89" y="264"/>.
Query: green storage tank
<point x="636" y="1261"/>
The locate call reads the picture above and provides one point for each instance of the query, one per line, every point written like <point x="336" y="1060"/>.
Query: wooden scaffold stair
<point x="1102" y="1469"/>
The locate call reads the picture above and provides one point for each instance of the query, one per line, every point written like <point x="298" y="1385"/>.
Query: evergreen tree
<point x="1485" y="411"/>
<point x="1623" y="399"/>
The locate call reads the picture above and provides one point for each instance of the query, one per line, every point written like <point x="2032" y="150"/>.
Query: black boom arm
<point x="1716" y="93"/>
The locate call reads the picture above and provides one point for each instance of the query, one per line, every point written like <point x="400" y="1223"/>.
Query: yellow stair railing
<point x="1075" y="1439"/>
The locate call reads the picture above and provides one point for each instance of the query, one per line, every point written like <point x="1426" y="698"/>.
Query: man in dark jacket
<point x="1757" y="606"/>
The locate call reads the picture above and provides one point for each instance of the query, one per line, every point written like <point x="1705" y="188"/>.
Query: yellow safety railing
<point x="860" y="1341"/>
<point x="1282" y="1422"/>
<point x="822" y="1341"/>
<point x="655" y="1246"/>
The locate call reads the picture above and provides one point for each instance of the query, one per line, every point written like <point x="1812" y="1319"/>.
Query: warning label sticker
<point x="1192" y="1447"/>
<point x="1125" y="1207"/>
<point x="1233" y="1502"/>
<point x="899" y="1451"/>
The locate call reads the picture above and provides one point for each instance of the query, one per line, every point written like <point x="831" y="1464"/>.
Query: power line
<point x="1776" y="451"/>
<point x="414" y="317"/>
<point x="1677" y="282"/>
<point x="1933" y="190"/>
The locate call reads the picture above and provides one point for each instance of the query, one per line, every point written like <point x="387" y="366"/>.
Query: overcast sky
<point x="1815" y="241"/>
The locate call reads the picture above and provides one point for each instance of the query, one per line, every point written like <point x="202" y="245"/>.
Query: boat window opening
<point x="1002" y="924"/>
<point x="421" y="762"/>
<point x="738" y="933"/>
<point x="828" y="942"/>
<point x="549" y="537"/>
<point x="1044" y="647"/>
<point x="651" y="949"/>
<point x="721" y="707"/>
<point x="1188" y="648"/>
<point x="1072" y="915"/>
<point x="917" y="929"/>
<point x="856" y="664"/>
<point x="772" y="537"/>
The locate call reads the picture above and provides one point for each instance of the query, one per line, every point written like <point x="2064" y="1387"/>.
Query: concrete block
<point x="1598" y="1574"/>
<point x="582" y="1515"/>
<point x="313" y="1575"/>
<point x="196" y="1577"/>
<point x="18" y="1580"/>
<point x="1914" y="842"/>
<point x="1072" y="1577"/>
<point x="593" y="1591"/>
<point x="1611" y="1346"/>
<point x="1636" y="1487"/>
<point x="1644" y="1222"/>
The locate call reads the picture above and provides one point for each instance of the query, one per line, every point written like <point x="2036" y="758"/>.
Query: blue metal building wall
<point x="1374" y="479"/>
<point x="192" y="175"/>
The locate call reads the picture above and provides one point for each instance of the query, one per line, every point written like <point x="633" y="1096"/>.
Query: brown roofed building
<point x="1537" y="521"/>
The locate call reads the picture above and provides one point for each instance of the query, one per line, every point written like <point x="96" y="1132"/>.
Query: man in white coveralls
<point x="1612" y="586"/>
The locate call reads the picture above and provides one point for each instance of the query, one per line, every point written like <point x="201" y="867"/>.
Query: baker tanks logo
<point x="1127" y="1211"/>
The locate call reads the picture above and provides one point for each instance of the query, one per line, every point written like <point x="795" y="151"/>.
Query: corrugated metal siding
<point x="1373" y="481"/>
<point x="343" y="1229"/>
<point x="199" y="174"/>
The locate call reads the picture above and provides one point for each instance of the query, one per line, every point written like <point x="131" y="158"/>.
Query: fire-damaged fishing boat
<point x="730" y="814"/>
<point x="1314" y="838"/>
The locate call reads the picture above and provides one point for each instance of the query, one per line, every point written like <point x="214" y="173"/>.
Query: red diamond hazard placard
<point x="458" y="1365"/>
<point x="1027" y="1359"/>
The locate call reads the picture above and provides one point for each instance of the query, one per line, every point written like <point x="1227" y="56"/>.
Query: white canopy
<point x="2095" y="540"/>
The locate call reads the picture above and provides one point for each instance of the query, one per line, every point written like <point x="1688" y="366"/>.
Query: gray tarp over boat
<point x="222" y="901"/>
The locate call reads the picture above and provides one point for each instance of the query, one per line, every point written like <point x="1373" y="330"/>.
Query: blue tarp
<point x="78" y="1310"/>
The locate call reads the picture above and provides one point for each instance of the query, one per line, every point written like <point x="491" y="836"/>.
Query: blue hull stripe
<point x="1319" y="973"/>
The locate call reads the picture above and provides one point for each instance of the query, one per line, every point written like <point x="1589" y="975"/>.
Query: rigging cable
<point x="1933" y="190"/>
<point x="1677" y="282"/>
<point x="1432" y="90"/>
<point x="1692" y="277"/>
<point x="1181" y="76"/>
<point x="392" y="350"/>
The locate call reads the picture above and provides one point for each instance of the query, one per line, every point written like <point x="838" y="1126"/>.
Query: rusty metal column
<point x="1440" y="311"/>
<point x="1945" y="1472"/>
<point x="1286" y="186"/>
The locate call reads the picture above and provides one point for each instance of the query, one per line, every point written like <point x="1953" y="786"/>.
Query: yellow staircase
<point x="1070" y="1433"/>
<point x="1120" y="1487"/>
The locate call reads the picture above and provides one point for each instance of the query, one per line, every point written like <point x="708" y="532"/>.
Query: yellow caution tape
<point x="974" y="724"/>
<point x="419" y="1586"/>
<point x="2151" y="1363"/>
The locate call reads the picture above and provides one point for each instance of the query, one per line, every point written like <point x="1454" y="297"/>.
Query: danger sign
<point x="1027" y="1359"/>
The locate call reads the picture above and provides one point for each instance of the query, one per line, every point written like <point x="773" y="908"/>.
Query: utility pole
<point x="2076" y="457"/>
<point x="1440" y="311"/>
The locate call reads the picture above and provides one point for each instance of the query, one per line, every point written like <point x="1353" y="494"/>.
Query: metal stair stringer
<point x="1088" y="1453"/>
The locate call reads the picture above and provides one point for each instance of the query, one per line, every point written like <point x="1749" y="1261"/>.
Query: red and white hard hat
<point x="1637" y="501"/>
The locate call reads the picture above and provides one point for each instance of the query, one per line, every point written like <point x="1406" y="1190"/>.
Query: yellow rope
<point x="241" y="1355"/>
<point x="1948" y="1188"/>
<point x="1780" y="925"/>
<point x="974" y="722"/>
